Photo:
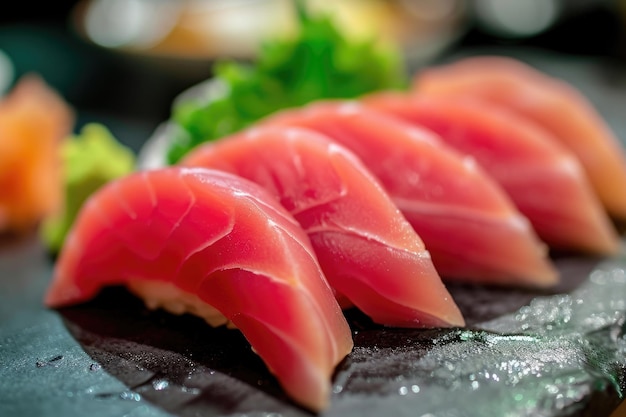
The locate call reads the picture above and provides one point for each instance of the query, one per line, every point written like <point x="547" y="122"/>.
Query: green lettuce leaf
<point x="318" y="63"/>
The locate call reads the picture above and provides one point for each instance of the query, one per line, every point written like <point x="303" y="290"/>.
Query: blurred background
<point x="122" y="62"/>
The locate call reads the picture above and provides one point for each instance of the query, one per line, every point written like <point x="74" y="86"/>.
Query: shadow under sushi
<point x="187" y="368"/>
<point x="177" y="363"/>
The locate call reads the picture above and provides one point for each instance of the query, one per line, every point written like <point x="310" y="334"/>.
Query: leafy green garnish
<point x="90" y="160"/>
<point x="319" y="63"/>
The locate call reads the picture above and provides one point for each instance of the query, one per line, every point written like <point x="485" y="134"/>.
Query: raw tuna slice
<point x="544" y="180"/>
<point x="469" y="225"/>
<point x="551" y="103"/>
<point x="218" y="246"/>
<point x="368" y="251"/>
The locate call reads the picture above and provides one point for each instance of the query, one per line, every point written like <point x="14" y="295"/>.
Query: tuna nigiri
<point x="544" y="180"/>
<point x="34" y="119"/>
<point x="547" y="101"/>
<point x="469" y="225"/>
<point x="217" y="246"/>
<point x="368" y="251"/>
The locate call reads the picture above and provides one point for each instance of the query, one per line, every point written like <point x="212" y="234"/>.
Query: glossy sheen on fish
<point x="551" y="103"/>
<point x="468" y="223"/>
<point x="543" y="178"/>
<point x="219" y="242"/>
<point x="368" y="251"/>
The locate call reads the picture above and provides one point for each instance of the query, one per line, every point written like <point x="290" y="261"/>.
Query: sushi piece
<point x="217" y="246"/>
<point x="547" y="101"/>
<point x="544" y="179"/>
<point x="469" y="225"/>
<point x="368" y="251"/>
<point x="34" y="120"/>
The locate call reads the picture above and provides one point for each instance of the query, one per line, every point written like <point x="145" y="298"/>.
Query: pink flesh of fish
<point x="547" y="101"/>
<point x="368" y="251"/>
<point x="544" y="180"/>
<point x="221" y="239"/>
<point x="469" y="225"/>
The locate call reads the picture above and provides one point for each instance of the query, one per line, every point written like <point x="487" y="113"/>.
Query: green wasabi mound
<point x="90" y="159"/>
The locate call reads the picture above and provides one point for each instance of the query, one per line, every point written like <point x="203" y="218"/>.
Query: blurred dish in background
<point x="210" y="29"/>
<point x="515" y="19"/>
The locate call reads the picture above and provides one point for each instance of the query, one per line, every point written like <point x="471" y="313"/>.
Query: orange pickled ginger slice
<point x="34" y="119"/>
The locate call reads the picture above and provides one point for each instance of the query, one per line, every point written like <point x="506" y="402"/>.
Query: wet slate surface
<point x="523" y="353"/>
<point x="557" y="353"/>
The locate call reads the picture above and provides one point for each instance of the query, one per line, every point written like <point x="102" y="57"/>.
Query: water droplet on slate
<point x="193" y="391"/>
<point x="160" y="384"/>
<point x="131" y="396"/>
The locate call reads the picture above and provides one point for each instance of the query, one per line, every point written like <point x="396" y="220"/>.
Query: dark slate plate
<point x="523" y="353"/>
<point x="557" y="353"/>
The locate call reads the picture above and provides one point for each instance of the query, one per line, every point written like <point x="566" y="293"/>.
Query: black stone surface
<point x="113" y="357"/>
